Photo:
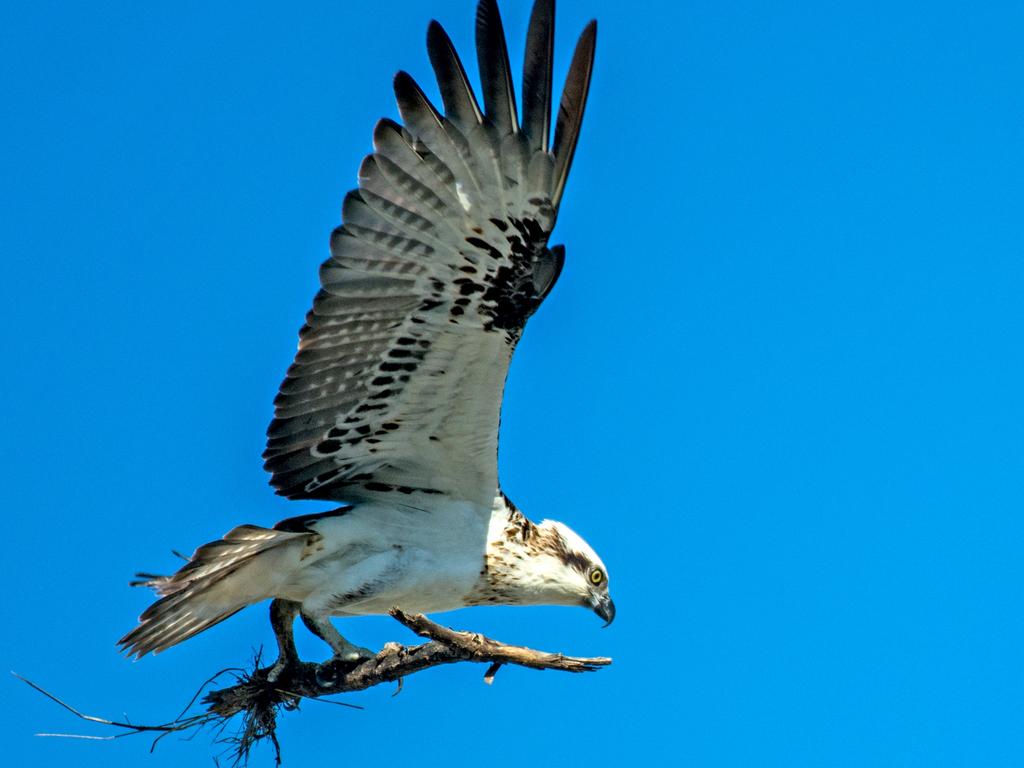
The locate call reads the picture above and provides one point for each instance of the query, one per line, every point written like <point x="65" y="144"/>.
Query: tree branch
<point x="258" y="699"/>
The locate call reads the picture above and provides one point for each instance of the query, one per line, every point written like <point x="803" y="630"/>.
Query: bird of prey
<point x="392" y="404"/>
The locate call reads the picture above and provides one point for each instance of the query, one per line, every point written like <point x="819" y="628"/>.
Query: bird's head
<point x="550" y="564"/>
<point x="578" y="570"/>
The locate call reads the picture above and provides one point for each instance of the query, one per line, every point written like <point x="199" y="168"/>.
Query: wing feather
<point x="537" y="75"/>
<point x="423" y="120"/>
<point x="459" y="102"/>
<point x="570" y="111"/>
<point x="440" y="260"/>
<point x="495" y="72"/>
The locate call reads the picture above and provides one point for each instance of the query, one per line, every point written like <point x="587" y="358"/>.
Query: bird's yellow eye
<point x="596" y="576"/>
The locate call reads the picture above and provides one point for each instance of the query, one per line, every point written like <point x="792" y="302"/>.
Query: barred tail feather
<point x="220" y="579"/>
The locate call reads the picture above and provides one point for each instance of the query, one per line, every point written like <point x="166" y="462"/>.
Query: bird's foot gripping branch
<point x="257" y="700"/>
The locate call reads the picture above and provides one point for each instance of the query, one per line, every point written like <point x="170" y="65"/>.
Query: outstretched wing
<point x="441" y="259"/>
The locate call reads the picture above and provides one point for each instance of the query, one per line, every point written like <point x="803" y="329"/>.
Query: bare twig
<point x="491" y="672"/>
<point x="258" y="699"/>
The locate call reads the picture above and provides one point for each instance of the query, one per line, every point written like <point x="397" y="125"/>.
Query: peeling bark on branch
<point x="258" y="699"/>
<point x="394" y="662"/>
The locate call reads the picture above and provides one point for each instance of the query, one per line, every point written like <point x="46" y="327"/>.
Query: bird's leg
<point x="320" y="625"/>
<point x="282" y="617"/>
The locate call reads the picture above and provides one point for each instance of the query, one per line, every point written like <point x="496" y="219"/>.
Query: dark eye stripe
<point x="575" y="560"/>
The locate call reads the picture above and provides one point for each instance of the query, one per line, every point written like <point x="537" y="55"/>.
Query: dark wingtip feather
<point x="405" y="85"/>
<point x="570" y="111"/>
<point x="495" y="76"/>
<point x="456" y="93"/>
<point x="411" y="99"/>
<point x="537" y="68"/>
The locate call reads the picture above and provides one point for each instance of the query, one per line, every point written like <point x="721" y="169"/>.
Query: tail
<point x="220" y="579"/>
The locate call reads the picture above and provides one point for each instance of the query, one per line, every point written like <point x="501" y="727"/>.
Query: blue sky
<point x="778" y="386"/>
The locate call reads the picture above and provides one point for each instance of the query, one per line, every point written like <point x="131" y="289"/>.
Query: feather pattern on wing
<point x="441" y="259"/>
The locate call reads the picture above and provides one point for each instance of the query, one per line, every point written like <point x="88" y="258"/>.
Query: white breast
<point x="421" y="558"/>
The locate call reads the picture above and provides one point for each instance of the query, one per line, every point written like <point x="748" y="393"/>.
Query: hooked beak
<point x="603" y="607"/>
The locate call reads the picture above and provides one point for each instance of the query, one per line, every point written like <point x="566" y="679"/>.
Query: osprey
<point x="392" y="404"/>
